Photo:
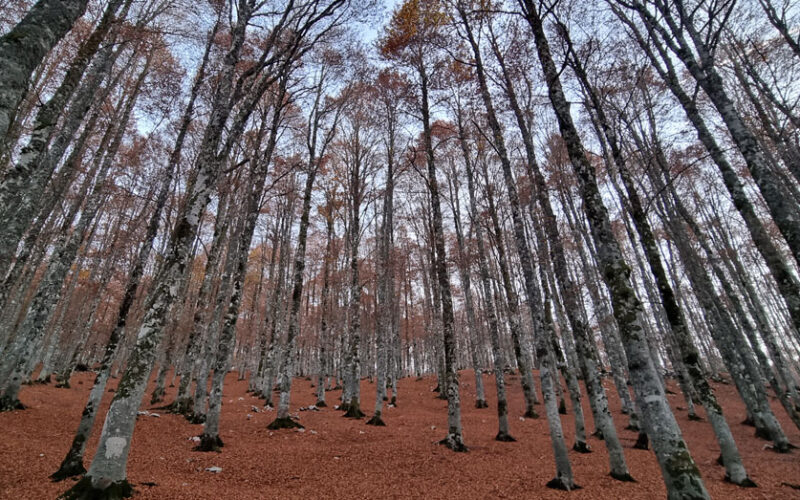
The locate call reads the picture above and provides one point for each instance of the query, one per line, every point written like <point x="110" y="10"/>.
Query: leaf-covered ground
<point x="336" y="457"/>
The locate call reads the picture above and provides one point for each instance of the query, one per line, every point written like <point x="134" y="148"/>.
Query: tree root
<point x="642" y="442"/>
<point x="158" y="396"/>
<point x="209" y="443"/>
<point x="69" y="468"/>
<point x="581" y="447"/>
<point x="181" y="406"/>
<point x="624" y="477"/>
<point x="744" y="483"/>
<point x="784" y="447"/>
<point x="10" y="404"/>
<point x="195" y="418"/>
<point x="353" y="411"/>
<point x="84" y="490"/>
<point x="559" y="483"/>
<point x="284" y="423"/>
<point x="455" y="443"/>
<point x="505" y="437"/>
<point x="530" y="413"/>
<point x="376" y="421"/>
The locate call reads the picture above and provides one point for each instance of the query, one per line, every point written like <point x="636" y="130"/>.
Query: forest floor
<point x="337" y="457"/>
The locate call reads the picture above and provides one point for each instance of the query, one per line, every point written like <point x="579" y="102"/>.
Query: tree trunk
<point x="24" y="47"/>
<point x="680" y="473"/>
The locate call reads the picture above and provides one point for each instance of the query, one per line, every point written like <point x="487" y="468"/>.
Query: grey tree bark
<point x="690" y="358"/>
<point x="32" y="329"/>
<point x="24" y="183"/>
<point x="680" y="473"/>
<point x="107" y="474"/>
<point x="661" y="61"/>
<point x="454" y="439"/>
<point x="24" y="47"/>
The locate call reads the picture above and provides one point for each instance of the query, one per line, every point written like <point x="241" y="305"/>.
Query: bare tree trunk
<point x="25" y="182"/>
<point x="283" y="420"/>
<point x="325" y="367"/>
<point x="385" y="295"/>
<point x="24" y="47"/>
<point x="32" y="329"/>
<point x="503" y="431"/>
<point x="788" y="284"/>
<point x="680" y="473"/>
<point x="454" y="439"/>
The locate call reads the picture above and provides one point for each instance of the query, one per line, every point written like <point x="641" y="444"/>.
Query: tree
<point x="412" y="26"/>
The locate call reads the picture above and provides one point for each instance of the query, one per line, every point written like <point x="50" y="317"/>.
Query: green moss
<point x="680" y="463"/>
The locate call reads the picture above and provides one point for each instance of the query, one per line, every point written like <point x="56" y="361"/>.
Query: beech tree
<point x="292" y="194"/>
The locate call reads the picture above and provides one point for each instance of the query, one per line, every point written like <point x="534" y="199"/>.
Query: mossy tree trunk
<point x="23" y="48"/>
<point x="680" y="473"/>
<point x="24" y="184"/>
<point x="689" y="357"/>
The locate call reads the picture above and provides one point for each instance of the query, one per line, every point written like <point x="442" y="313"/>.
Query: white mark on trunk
<point x="114" y="447"/>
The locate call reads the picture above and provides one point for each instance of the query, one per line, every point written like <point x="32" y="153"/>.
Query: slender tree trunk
<point x="498" y="358"/>
<point x="41" y="309"/>
<point x="283" y="420"/>
<point x="788" y="284"/>
<point x="23" y="185"/>
<point x="24" y="47"/>
<point x="680" y="473"/>
<point x="454" y="439"/>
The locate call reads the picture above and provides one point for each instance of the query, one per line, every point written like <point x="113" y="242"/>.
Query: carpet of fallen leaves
<point x="335" y="457"/>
